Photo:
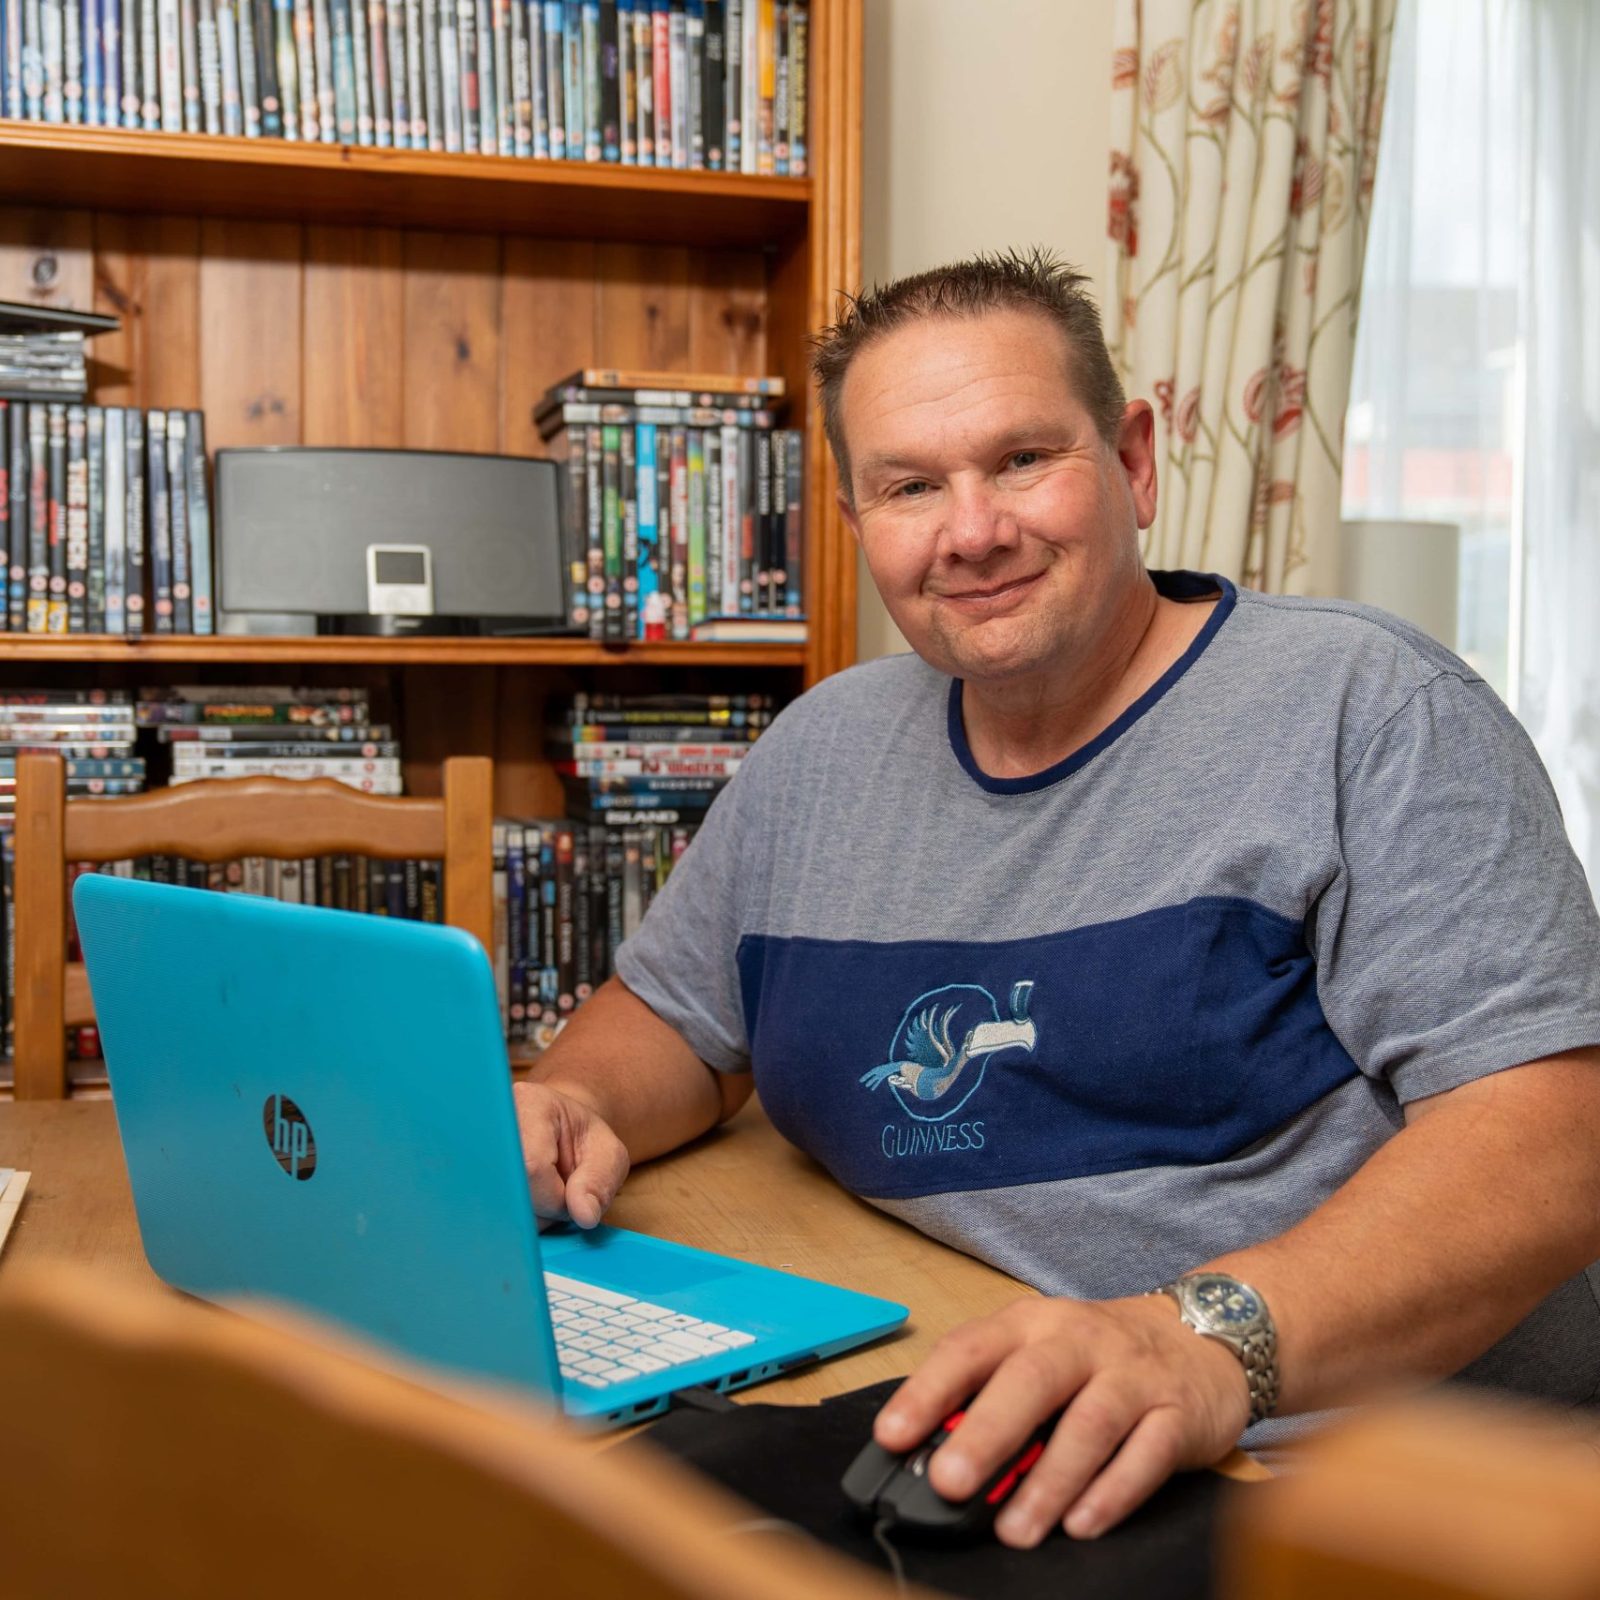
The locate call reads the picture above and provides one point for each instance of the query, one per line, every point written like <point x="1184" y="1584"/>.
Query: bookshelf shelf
<point x="351" y="650"/>
<point x="209" y="175"/>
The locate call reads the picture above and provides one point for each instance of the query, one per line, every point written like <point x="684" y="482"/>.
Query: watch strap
<point x="1259" y="1354"/>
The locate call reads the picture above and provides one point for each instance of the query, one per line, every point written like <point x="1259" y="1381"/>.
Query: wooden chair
<point x="160" y="1448"/>
<point x="215" y="821"/>
<point x="1454" y="1496"/>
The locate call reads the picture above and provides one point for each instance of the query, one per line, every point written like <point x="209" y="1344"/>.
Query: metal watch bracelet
<point x="1259" y="1353"/>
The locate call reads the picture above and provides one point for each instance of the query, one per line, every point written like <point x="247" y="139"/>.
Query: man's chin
<point x="986" y="655"/>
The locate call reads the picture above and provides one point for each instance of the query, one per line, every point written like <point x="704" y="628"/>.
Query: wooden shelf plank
<point x="204" y="174"/>
<point x="237" y="650"/>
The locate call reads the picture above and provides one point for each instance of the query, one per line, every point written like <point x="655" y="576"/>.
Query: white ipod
<point x="399" y="580"/>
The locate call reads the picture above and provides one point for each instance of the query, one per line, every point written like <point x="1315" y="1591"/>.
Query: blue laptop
<point x="316" y="1106"/>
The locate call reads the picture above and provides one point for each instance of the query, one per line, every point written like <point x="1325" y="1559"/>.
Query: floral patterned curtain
<point x="1244" y="145"/>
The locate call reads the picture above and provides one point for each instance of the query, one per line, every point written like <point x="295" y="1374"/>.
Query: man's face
<point x="1000" y="529"/>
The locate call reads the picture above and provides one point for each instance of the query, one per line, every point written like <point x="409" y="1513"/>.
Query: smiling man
<point x="1134" y="932"/>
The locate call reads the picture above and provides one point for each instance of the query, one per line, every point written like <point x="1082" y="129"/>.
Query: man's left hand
<point x="1144" y="1396"/>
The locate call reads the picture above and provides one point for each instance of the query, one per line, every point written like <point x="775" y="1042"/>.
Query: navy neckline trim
<point x="1172" y="586"/>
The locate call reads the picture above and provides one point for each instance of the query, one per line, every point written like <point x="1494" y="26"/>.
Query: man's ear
<point x="848" y="512"/>
<point x="1136" y="449"/>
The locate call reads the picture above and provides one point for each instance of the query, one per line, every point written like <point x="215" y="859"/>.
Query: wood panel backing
<point x="147" y="271"/>
<point x="498" y="712"/>
<point x="642" y="315"/>
<point x="47" y="257"/>
<point x="322" y="334"/>
<point x="353" y="363"/>
<point x="452" y="339"/>
<point x="728" y="316"/>
<point x="250" y="345"/>
<point x="548" y="328"/>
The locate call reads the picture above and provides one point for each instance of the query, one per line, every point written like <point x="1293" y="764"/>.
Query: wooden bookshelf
<point x="326" y="295"/>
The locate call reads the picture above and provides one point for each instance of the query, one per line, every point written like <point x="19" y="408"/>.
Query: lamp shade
<point x="1412" y="569"/>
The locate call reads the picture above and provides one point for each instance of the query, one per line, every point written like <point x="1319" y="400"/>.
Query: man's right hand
<point x="575" y="1162"/>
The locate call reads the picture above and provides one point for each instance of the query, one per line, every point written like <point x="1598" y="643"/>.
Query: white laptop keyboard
<point x="604" y="1338"/>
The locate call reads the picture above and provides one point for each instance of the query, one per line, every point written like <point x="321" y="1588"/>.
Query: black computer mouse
<point x="892" y="1486"/>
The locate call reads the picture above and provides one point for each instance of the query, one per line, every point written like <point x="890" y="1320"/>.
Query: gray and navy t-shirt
<point x="1099" y="1025"/>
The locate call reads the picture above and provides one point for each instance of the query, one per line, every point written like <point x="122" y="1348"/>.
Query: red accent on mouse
<point x="892" y="1486"/>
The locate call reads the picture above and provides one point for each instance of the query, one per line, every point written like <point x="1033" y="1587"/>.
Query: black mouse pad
<point x="787" y="1460"/>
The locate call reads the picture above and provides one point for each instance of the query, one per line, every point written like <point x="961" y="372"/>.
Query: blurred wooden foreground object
<point x="1454" y="1497"/>
<point x="217" y="820"/>
<point x="159" y="1449"/>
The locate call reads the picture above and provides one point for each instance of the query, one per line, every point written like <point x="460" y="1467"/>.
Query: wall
<point x="986" y="125"/>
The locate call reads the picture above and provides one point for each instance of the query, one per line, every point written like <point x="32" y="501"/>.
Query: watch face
<point x="1225" y="1303"/>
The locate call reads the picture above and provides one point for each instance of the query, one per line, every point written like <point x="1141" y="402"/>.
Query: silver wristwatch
<point x="1234" y="1314"/>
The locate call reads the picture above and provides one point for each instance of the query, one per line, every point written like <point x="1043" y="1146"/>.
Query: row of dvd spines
<point x="412" y="889"/>
<point x="718" y="85"/>
<point x="565" y="897"/>
<point x="105" y="520"/>
<point x="667" y="527"/>
<point x="566" y="894"/>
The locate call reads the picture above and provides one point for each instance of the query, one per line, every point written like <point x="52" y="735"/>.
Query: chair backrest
<point x="216" y="820"/>
<point x="158" y="1447"/>
<point x="1458" y="1496"/>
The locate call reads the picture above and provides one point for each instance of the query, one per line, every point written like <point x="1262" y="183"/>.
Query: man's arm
<point x="619" y="1085"/>
<point x="1443" y="1241"/>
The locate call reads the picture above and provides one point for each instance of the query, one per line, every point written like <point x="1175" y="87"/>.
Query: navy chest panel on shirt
<point x="923" y="1067"/>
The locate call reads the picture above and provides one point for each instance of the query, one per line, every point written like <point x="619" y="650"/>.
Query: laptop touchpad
<point x="637" y="1268"/>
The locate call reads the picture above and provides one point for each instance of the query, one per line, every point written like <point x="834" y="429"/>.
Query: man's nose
<point x="978" y="524"/>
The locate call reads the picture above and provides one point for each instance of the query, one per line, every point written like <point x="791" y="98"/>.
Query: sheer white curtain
<point x="1476" y="392"/>
<point x="1559" y="689"/>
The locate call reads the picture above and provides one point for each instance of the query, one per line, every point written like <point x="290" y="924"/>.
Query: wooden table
<point x="741" y="1190"/>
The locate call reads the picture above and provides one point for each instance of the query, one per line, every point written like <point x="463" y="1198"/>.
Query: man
<point x="1134" y="925"/>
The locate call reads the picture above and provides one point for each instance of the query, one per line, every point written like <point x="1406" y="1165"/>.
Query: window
<point x="1435" y="414"/>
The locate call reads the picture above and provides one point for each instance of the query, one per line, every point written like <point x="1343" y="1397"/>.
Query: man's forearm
<point x="1449" y="1235"/>
<point x="638" y="1073"/>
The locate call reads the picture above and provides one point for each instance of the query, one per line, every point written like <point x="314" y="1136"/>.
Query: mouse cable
<point x="880" y="1537"/>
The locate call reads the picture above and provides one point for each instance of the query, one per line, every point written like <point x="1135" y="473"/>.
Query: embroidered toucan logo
<point x="927" y="1062"/>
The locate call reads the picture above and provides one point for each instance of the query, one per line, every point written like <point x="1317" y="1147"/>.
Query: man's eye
<point x="911" y="490"/>
<point x="1024" y="458"/>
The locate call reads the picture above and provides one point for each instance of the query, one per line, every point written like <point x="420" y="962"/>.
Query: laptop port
<point x="737" y="1377"/>
<point x="643" y="1407"/>
<point x="798" y="1361"/>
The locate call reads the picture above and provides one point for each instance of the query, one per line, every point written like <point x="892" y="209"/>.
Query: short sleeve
<point x="1459" y="936"/>
<point x="682" y="961"/>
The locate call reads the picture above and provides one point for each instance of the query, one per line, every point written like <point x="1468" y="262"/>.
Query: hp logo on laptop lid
<point x="289" y="1134"/>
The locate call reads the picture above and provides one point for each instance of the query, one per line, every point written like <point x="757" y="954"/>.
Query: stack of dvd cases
<point x="91" y="729"/>
<point x="42" y="365"/>
<point x="273" y="731"/>
<point x="44" y="351"/>
<point x="683" y="504"/>
<point x="651" y="760"/>
<point x="715" y="85"/>
<point x="105" y="520"/>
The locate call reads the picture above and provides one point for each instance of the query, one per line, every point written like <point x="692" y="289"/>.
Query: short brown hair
<point x="1010" y="281"/>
